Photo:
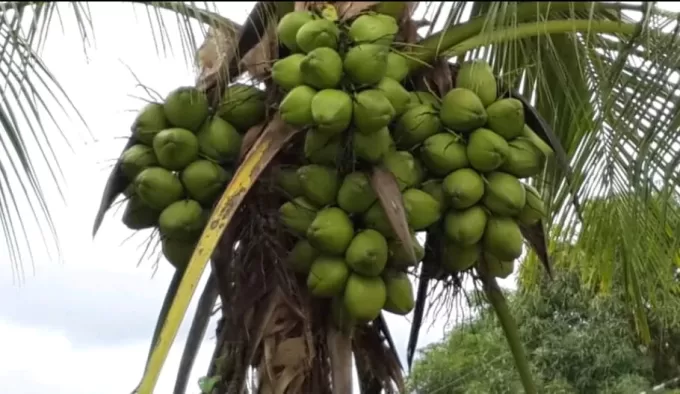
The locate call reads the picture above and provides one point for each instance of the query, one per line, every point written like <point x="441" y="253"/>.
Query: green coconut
<point x="204" y="181"/>
<point x="242" y="106"/>
<point x="462" y="110"/>
<point x="332" y="111"/>
<point x="219" y="140"/>
<point x="529" y="134"/>
<point x="371" y="111"/>
<point x="416" y="125"/>
<point x="524" y="159"/>
<point x="498" y="268"/>
<point x="149" y="121"/>
<point x="459" y="258"/>
<point x="178" y="252"/>
<point x="420" y="98"/>
<point x="331" y="231"/>
<point x="296" y="106"/>
<point x="288" y="27"/>
<point x="397" y="66"/>
<point x="504" y="194"/>
<point x="137" y="158"/>
<point x="366" y="64"/>
<point x="322" y="68"/>
<point x="465" y="227"/>
<point x="399" y="300"/>
<point x="477" y="75"/>
<point x="287" y="179"/>
<point x="506" y="118"/>
<point x="373" y="29"/>
<point x="435" y="188"/>
<point x="463" y="188"/>
<point x="374" y="146"/>
<point x="319" y="33"/>
<point x="443" y="153"/>
<point x="397" y="255"/>
<point x="129" y="191"/>
<point x="319" y="184"/>
<point x="287" y="72"/>
<point x="356" y="194"/>
<point x="405" y="168"/>
<point x="486" y="150"/>
<point x="321" y="148"/>
<point x="327" y="276"/>
<point x="364" y="297"/>
<point x="376" y="219"/>
<point x="301" y="257"/>
<point x="395" y="93"/>
<point x="503" y="238"/>
<point x="534" y="209"/>
<point x="138" y="216"/>
<point x="297" y="215"/>
<point x="175" y="148"/>
<point x="184" y="219"/>
<point x="158" y="187"/>
<point x="367" y="253"/>
<point x="422" y="210"/>
<point x="186" y="108"/>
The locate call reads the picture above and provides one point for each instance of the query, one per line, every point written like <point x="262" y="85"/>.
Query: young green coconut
<point x="184" y="219"/>
<point x="149" y="122"/>
<point x="186" y="107"/>
<point x="204" y="181"/>
<point x="158" y="187"/>
<point x="242" y="106"/>
<point x="219" y="140"/>
<point x="175" y="148"/>
<point x="137" y="158"/>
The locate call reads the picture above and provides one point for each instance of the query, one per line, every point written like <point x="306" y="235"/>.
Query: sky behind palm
<point x="83" y="326"/>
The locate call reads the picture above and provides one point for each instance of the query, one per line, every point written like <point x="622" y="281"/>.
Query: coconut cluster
<point x="477" y="161"/>
<point x="457" y="160"/>
<point x="342" y="83"/>
<point x="182" y="160"/>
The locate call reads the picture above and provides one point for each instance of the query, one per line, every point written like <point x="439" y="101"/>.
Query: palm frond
<point x="32" y="102"/>
<point x="28" y="101"/>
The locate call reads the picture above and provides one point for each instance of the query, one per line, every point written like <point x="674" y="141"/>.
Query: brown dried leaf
<point x="441" y="76"/>
<point x="350" y="9"/>
<point x="249" y="139"/>
<point x="217" y="49"/>
<point x="291" y="352"/>
<point x="259" y="60"/>
<point x="386" y="188"/>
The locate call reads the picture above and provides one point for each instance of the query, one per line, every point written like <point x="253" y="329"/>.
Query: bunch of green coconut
<point x="457" y="161"/>
<point x="182" y="159"/>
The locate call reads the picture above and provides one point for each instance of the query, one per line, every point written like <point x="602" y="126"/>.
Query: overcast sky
<point x="84" y="326"/>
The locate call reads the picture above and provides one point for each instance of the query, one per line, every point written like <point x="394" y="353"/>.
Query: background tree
<point x="578" y="341"/>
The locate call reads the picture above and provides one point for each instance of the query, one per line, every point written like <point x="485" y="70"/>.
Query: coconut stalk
<point x="499" y="304"/>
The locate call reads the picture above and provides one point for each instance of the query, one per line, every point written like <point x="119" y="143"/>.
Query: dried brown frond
<point x="389" y="196"/>
<point x="376" y="363"/>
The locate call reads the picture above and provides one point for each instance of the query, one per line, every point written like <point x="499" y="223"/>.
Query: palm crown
<point x="601" y="78"/>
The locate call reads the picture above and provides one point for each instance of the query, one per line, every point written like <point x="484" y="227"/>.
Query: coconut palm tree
<point x="599" y="83"/>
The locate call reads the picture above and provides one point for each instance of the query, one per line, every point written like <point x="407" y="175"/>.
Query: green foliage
<point x="577" y="342"/>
